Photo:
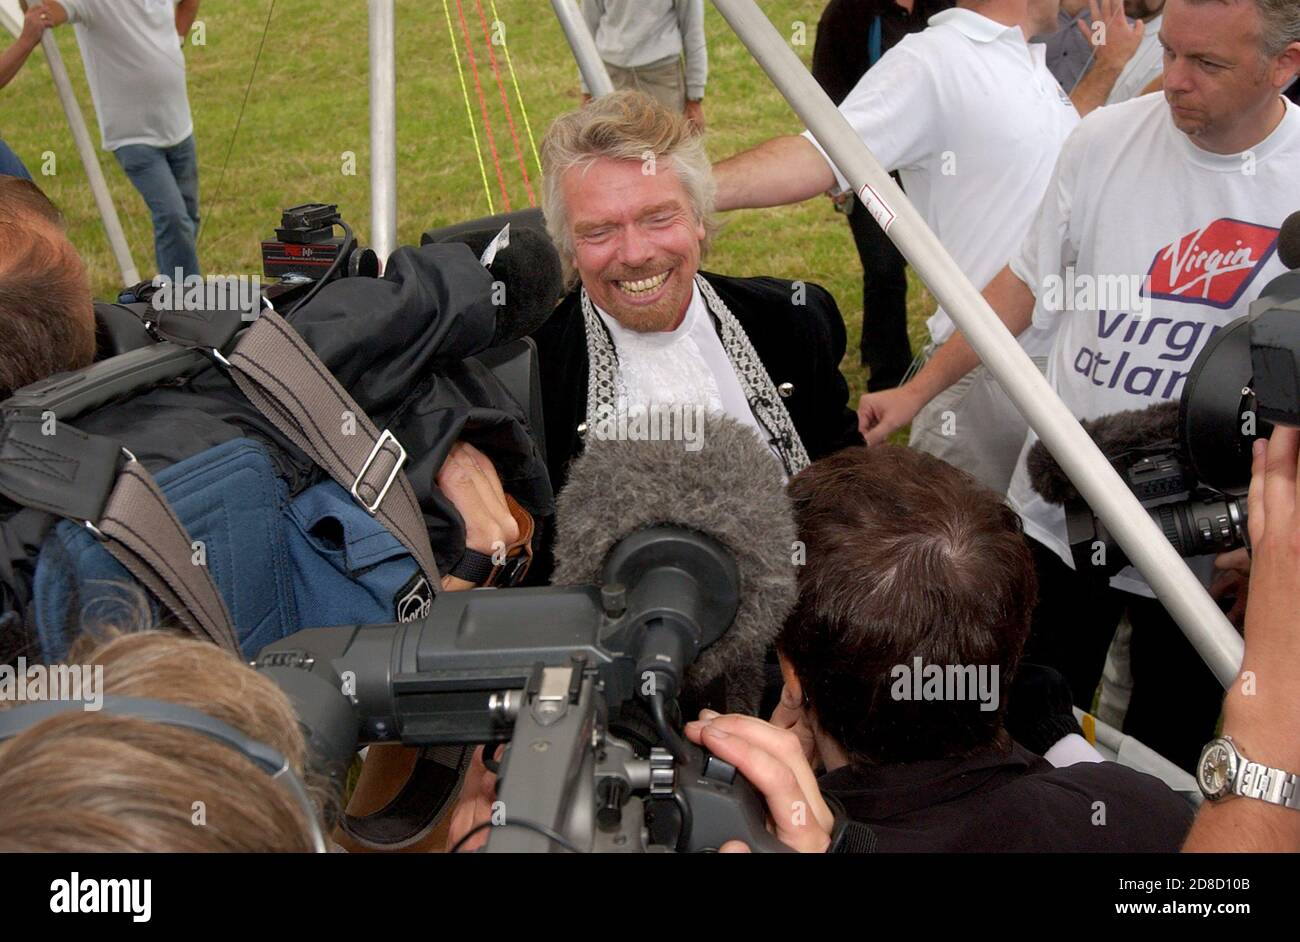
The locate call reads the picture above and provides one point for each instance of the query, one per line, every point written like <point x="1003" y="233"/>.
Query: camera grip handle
<point x="724" y="806"/>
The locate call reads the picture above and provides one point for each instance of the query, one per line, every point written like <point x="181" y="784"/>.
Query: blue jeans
<point x="10" y="164"/>
<point x="168" y="179"/>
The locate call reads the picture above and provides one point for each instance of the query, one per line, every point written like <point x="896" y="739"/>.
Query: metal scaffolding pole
<point x="85" y="149"/>
<point x="383" y="129"/>
<point x="1175" y="585"/>
<point x="584" y="48"/>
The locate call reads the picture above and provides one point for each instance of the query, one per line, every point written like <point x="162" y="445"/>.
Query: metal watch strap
<point x="1275" y="786"/>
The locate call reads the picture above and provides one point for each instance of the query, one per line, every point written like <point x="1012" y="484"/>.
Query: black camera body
<point x="548" y="671"/>
<point x="305" y="247"/>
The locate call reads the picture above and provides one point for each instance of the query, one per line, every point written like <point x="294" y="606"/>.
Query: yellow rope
<point x="469" y="110"/>
<point x="514" y="81"/>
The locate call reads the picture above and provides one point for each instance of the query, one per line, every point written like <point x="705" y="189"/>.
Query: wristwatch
<point x="1223" y="772"/>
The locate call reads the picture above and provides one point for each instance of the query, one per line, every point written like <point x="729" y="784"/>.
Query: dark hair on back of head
<point x="46" y="317"/>
<point x="907" y="557"/>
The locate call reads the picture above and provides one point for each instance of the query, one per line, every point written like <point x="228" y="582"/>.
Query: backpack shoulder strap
<point x="94" y="481"/>
<point x="284" y="379"/>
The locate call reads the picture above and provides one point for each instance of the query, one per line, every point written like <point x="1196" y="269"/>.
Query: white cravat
<point x="686" y="365"/>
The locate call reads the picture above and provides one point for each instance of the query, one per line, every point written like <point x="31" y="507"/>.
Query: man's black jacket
<point x="799" y="343"/>
<point x="399" y="344"/>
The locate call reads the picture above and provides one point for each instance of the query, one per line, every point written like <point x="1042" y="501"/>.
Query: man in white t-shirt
<point x="1175" y="202"/>
<point x="136" y="73"/>
<point x="972" y="119"/>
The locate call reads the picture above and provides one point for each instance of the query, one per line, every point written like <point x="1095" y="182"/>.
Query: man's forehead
<point x="622" y="188"/>
<point x="1209" y="27"/>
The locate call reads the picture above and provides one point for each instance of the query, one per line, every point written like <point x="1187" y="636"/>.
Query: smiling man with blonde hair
<point x="628" y="198"/>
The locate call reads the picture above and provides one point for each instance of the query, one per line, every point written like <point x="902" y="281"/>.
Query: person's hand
<point x="1269" y="705"/>
<point x="790" y="714"/>
<point x="773" y="761"/>
<point x="474" y="805"/>
<point x="1232" y="581"/>
<point x="35" y="22"/>
<point x="694" y="113"/>
<point x="1117" y="40"/>
<point x="880" y="414"/>
<point x="1273" y="516"/>
<point x="470" y="482"/>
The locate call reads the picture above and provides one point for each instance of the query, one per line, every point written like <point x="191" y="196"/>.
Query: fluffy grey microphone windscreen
<point x="1116" y="434"/>
<point x="719" y="480"/>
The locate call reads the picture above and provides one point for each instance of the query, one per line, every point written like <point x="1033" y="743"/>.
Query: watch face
<point x="1217" y="769"/>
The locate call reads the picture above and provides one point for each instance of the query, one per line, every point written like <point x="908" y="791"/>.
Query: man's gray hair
<point x="1279" y="24"/>
<point x="626" y="125"/>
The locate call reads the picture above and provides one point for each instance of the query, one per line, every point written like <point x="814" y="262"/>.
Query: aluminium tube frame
<point x="583" y="45"/>
<point x="1177" y="588"/>
<point x="383" y="129"/>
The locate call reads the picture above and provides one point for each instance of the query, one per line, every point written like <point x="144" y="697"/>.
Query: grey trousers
<point x="664" y="82"/>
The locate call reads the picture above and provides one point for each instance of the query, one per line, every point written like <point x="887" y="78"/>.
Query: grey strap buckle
<point x="384" y="438"/>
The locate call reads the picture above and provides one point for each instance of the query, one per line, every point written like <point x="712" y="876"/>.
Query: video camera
<point x="304" y="256"/>
<point x="552" y="672"/>
<point x="1193" y="477"/>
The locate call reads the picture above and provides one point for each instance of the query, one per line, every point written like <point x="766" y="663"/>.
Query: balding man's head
<point x="47" y="321"/>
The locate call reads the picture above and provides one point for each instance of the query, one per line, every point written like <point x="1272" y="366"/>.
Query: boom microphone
<point x="729" y="489"/>
<point x="528" y="270"/>
<point x="1116" y="435"/>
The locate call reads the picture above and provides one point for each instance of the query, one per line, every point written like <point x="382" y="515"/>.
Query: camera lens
<point x="1201" y="526"/>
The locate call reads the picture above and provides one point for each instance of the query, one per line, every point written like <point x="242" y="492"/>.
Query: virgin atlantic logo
<point x="1212" y="265"/>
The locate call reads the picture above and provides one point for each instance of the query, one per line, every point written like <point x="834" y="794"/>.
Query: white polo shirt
<point x="969" y="115"/>
<point x="135" y="70"/>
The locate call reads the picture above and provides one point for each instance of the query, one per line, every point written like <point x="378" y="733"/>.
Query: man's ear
<point x="790" y="678"/>
<point x="1286" y="65"/>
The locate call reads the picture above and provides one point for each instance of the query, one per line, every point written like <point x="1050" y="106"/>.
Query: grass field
<point x="306" y="113"/>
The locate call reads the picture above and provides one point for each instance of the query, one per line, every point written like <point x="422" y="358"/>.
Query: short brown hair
<point x="95" y="781"/>
<point x="907" y="557"/>
<point x="47" y="322"/>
